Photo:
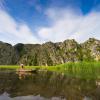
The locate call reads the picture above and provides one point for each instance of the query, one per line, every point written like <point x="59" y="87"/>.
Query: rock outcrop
<point x="8" y="54"/>
<point x="50" y="53"/>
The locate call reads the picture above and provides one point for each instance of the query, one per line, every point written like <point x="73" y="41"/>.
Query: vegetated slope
<point x="50" y="53"/>
<point x="8" y="54"/>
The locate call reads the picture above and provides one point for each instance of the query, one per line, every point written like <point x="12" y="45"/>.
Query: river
<point x="46" y="85"/>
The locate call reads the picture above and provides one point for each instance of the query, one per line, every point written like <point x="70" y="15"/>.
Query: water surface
<point x="47" y="85"/>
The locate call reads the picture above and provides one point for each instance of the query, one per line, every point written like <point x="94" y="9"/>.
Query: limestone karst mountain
<point x="50" y="53"/>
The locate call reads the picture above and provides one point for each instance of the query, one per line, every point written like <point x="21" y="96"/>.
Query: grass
<point x="84" y="69"/>
<point x="17" y="67"/>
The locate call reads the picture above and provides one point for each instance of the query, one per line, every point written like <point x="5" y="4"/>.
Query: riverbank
<point x="61" y="67"/>
<point x="85" y="69"/>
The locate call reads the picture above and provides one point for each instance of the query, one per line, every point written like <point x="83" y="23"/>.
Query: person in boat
<point x="22" y="66"/>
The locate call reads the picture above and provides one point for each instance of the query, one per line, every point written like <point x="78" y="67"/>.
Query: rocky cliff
<point x="8" y="54"/>
<point x="50" y="53"/>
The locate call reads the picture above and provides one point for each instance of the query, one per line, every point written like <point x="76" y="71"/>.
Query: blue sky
<point x="39" y="21"/>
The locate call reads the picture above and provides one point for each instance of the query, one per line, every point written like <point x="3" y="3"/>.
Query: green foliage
<point x="79" y="69"/>
<point x="98" y="48"/>
<point x="49" y="54"/>
<point x="20" y="49"/>
<point x="84" y="69"/>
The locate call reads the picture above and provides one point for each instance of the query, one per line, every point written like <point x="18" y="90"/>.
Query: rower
<point x="22" y="66"/>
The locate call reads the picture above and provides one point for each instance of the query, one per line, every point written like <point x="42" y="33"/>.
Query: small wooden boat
<point x="26" y="70"/>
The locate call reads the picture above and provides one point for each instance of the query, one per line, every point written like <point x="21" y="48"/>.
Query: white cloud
<point x="14" y="32"/>
<point x="65" y="24"/>
<point x="68" y="24"/>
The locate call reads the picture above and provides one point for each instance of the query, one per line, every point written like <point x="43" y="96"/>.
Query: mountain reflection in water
<point x="47" y="85"/>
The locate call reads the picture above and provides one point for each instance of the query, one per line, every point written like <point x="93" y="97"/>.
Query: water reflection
<point x="47" y="86"/>
<point x="23" y="74"/>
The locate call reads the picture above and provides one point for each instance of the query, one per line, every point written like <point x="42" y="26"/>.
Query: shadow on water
<point x="46" y="85"/>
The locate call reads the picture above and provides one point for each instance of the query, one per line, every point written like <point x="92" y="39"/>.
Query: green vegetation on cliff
<point x="49" y="54"/>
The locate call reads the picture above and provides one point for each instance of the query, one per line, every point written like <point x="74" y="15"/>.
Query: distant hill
<point x="50" y="53"/>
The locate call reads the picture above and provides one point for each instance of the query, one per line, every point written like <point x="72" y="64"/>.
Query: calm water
<point x="47" y="86"/>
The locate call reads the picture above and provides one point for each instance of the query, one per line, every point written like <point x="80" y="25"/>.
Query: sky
<point x="40" y="21"/>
